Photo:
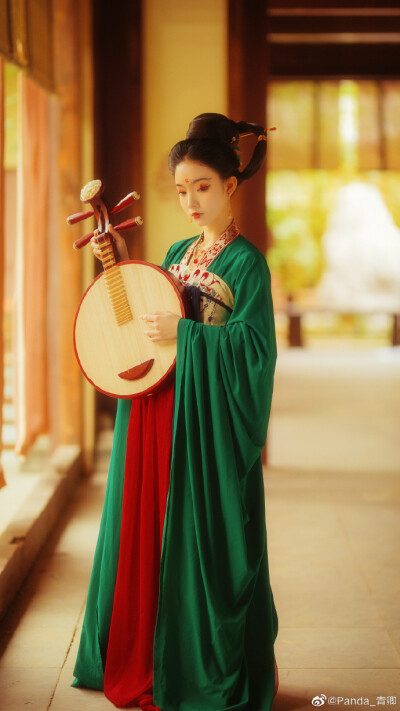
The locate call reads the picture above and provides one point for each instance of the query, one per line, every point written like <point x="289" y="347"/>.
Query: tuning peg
<point x="133" y="222"/>
<point x="82" y="241"/>
<point x="72" y="219"/>
<point x="125" y="202"/>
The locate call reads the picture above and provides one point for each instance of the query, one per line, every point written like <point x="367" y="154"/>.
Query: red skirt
<point x="128" y="675"/>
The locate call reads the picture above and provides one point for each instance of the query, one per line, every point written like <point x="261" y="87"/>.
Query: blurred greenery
<point x="299" y="204"/>
<point x="328" y="136"/>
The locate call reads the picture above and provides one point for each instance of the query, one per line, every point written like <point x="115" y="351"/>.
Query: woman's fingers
<point x="97" y="251"/>
<point x="120" y="242"/>
<point x="118" y="238"/>
<point x="114" y="232"/>
<point x="163" y="324"/>
<point x="152" y="321"/>
<point x="94" y="245"/>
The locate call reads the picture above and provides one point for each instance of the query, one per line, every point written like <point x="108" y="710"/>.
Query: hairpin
<point x="263" y="136"/>
<point x="237" y="150"/>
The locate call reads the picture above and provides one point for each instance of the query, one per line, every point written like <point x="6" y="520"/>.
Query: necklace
<point x="198" y="254"/>
<point x="199" y="249"/>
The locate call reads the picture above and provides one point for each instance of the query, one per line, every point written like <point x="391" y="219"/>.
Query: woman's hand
<point x="119" y="241"/>
<point x="162" y="325"/>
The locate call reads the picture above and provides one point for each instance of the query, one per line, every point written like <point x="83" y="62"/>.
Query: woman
<point x="180" y="615"/>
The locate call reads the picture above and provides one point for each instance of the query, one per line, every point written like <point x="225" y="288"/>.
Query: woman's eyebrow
<point x="179" y="185"/>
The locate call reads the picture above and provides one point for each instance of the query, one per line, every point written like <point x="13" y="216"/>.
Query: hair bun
<point x="213" y="126"/>
<point x="213" y="139"/>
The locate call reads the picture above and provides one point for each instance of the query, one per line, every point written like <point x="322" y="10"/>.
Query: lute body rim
<point x="179" y="289"/>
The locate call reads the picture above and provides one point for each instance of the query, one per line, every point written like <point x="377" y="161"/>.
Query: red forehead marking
<point x="187" y="180"/>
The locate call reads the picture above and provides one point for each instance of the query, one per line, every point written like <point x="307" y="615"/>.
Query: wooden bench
<point x="295" y="313"/>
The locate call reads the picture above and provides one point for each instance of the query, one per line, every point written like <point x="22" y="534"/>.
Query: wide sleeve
<point x="230" y="369"/>
<point x="214" y="568"/>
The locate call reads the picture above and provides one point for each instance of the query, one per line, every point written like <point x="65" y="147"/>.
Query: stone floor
<point x="333" y="518"/>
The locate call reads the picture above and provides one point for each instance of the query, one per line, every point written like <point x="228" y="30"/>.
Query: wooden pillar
<point x="117" y="123"/>
<point x="247" y="91"/>
<point x="65" y="263"/>
<point x="118" y="140"/>
<point x="247" y="78"/>
<point x="2" y="255"/>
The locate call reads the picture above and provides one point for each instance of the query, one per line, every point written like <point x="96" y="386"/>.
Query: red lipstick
<point x="195" y="215"/>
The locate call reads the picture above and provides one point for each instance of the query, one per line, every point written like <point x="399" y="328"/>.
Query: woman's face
<point x="203" y="194"/>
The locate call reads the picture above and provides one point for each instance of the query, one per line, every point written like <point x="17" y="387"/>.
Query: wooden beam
<point x="366" y="6"/>
<point x="347" y="39"/>
<point x="286" y="24"/>
<point x="357" y="61"/>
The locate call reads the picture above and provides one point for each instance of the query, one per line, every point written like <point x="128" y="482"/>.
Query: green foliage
<point x="295" y="254"/>
<point x="299" y="204"/>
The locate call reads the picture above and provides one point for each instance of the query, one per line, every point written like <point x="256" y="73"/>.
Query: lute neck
<point x="114" y="282"/>
<point x="107" y="252"/>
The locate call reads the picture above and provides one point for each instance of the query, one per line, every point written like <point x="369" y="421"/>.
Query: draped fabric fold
<point x="128" y="676"/>
<point x="217" y="622"/>
<point x="92" y="653"/>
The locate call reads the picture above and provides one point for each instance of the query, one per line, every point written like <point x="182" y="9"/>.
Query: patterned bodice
<point x="217" y="300"/>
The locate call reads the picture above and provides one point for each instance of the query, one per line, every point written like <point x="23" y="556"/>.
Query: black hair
<point x="213" y="139"/>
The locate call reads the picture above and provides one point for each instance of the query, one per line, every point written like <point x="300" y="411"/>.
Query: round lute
<point x="111" y="347"/>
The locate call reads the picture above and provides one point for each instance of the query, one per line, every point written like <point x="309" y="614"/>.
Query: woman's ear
<point x="231" y="185"/>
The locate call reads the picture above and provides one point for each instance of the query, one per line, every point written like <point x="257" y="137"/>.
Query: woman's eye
<point x="181" y="192"/>
<point x="203" y="188"/>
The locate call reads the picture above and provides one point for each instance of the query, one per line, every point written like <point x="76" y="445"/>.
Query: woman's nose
<point x="192" y="199"/>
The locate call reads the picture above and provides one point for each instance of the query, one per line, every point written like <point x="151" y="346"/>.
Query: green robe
<point x="216" y="621"/>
